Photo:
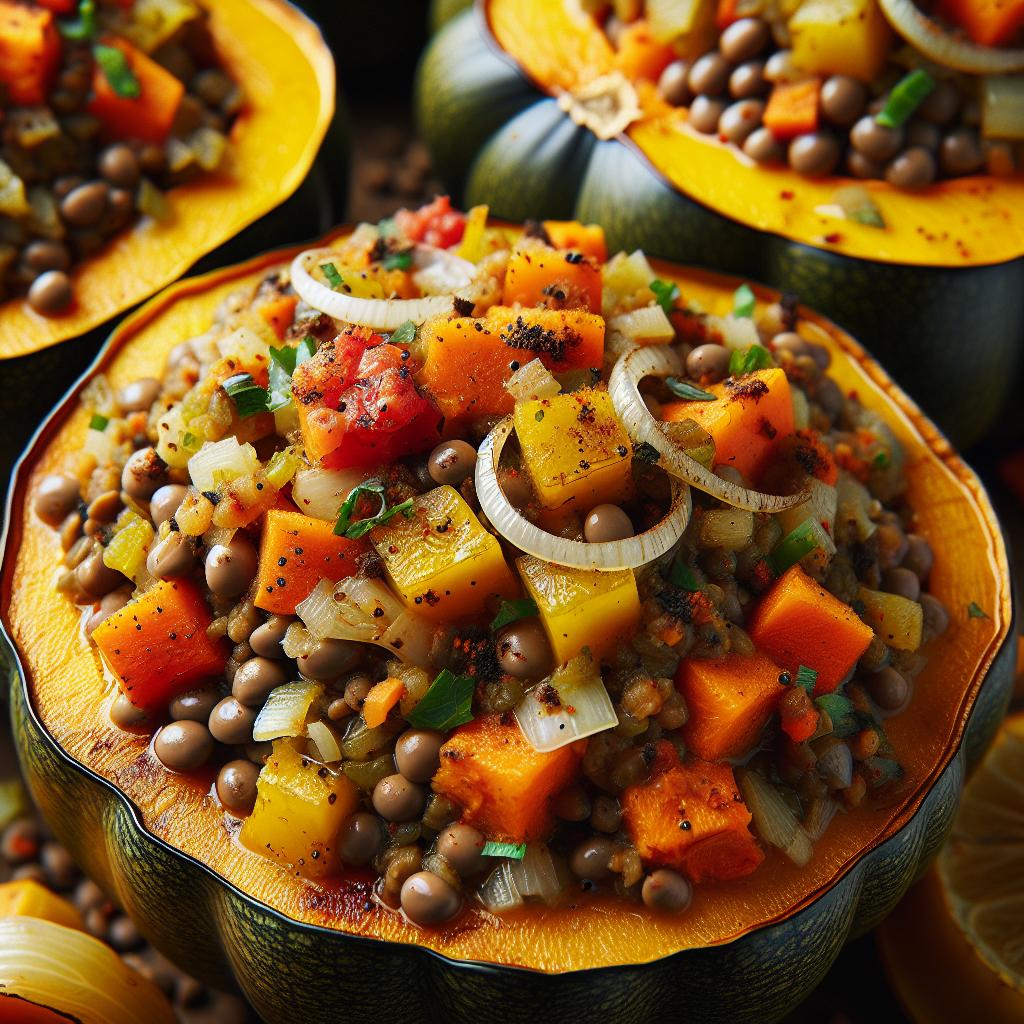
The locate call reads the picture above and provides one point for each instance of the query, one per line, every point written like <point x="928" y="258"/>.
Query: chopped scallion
<point x="448" y="703"/>
<point x="906" y="96"/>
<point x="744" y="302"/>
<point x="692" y="393"/>
<point x="398" y="260"/>
<point x="800" y="541"/>
<point x="84" y="27"/>
<point x="98" y="422"/>
<point x="516" y="851"/>
<point x="334" y="279"/>
<point x="117" y="71"/>
<point x="806" y="678"/>
<point x="844" y="717"/>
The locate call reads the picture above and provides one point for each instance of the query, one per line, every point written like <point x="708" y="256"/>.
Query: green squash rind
<point x="954" y="337"/>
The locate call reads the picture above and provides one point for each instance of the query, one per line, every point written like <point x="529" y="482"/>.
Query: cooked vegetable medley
<point x="493" y="566"/>
<point x="104" y="104"/>
<point x="869" y="88"/>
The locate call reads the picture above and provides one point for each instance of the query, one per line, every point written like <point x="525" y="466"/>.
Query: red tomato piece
<point x="434" y="224"/>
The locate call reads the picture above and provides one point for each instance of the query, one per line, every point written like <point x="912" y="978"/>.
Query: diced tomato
<point x="358" y="405"/>
<point x="434" y="224"/>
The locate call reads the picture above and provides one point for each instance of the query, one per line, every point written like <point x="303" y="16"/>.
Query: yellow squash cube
<point x="442" y="562"/>
<point x="300" y="806"/>
<point x="575" y="449"/>
<point x="27" y="898"/>
<point x="840" y="37"/>
<point x="580" y="607"/>
<point x="896" y="620"/>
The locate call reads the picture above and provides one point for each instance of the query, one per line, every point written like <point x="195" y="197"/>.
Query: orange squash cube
<point x="502" y="784"/>
<point x="751" y="415"/>
<point x="988" y="22"/>
<point x="542" y="276"/>
<point x="798" y="622"/>
<point x="572" y="235"/>
<point x="29" y="52"/>
<point x="692" y="818"/>
<point x="730" y="700"/>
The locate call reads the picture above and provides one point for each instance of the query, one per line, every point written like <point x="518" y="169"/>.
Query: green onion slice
<point x="749" y="359"/>
<point x="666" y="293"/>
<point x="800" y="541"/>
<point x="517" y="851"/>
<point x="117" y="71"/>
<point x="744" y="302"/>
<point x="906" y="96"/>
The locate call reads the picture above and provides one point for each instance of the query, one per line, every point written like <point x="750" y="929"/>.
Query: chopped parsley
<point x="841" y="712"/>
<point x="744" y="302"/>
<point x="513" y="611"/>
<point x="517" y="851"/>
<point x="404" y="334"/>
<point x="666" y="293"/>
<point x="282" y="365"/>
<point x="117" y="71"/>
<point x="682" y="389"/>
<point x="345" y="527"/>
<point x="975" y="611"/>
<point x="448" y="703"/>
<point x="249" y="398"/>
<point x="681" y="576"/>
<point x="747" y="360"/>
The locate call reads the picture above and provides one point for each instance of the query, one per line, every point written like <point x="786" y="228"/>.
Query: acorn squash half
<point x="747" y="950"/>
<point x="937" y="295"/>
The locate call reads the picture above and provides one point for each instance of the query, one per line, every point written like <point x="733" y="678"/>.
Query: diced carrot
<point x="751" y="416"/>
<point x="543" y="276"/>
<point x="988" y="22"/>
<point x="148" y="116"/>
<point x="640" y="55"/>
<point x="730" y="700"/>
<point x="792" y="108"/>
<point x="29" y="52"/>
<point x="296" y="552"/>
<point x="692" y="818"/>
<point x="383" y="696"/>
<point x="572" y="235"/>
<point x="279" y="312"/>
<point x="469" y="361"/>
<point x="157" y="646"/>
<point x="798" y="622"/>
<point x="503" y="785"/>
<point x="802" y="726"/>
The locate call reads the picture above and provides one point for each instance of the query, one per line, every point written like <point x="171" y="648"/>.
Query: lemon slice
<point x="982" y="866"/>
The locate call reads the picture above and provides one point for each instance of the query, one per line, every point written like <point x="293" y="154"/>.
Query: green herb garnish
<point x="405" y="334"/>
<point x="800" y="541"/>
<point x="975" y="611"/>
<point x="681" y="389"/>
<point x="448" y="703"/>
<point x="513" y="611"/>
<point x="98" y="422"/>
<point x="881" y="460"/>
<point x="681" y="576"/>
<point x="749" y="359"/>
<point x="117" y="71"/>
<point x="517" y="851"/>
<point x="841" y="713"/>
<point x="646" y="452"/>
<point x="190" y="442"/>
<point x="344" y="527"/>
<point x="806" y="678"/>
<point x="334" y="279"/>
<point x="539" y="415"/>
<point x="666" y="293"/>
<point x="744" y="302"/>
<point x="283" y="362"/>
<point x="906" y="96"/>
<point x="84" y="27"/>
<point x="249" y="398"/>
<point x="398" y="260"/>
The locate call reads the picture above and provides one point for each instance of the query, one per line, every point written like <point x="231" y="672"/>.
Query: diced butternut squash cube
<point x="730" y="700"/>
<point x="581" y="608"/>
<point x="793" y="108"/>
<point x="157" y="645"/>
<point x="27" y="898"/>
<point x="692" y="818"/>
<point x="503" y="785"/>
<point x="468" y="361"/>
<point x="300" y="806"/>
<point x="896" y="620"/>
<point x="541" y="276"/>
<point x="798" y="622"/>
<point x="575" y="449"/>
<point x="750" y="416"/>
<point x="296" y="553"/>
<point x="29" y="52"/>
<point x="442" y="562"/>
<point x="840" y="37"/>
<point x="576" y="237"/>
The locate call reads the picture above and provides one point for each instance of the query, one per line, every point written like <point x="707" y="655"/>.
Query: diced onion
<point x="581" y="689"/>
<point x="534" y="380"/>
<point x="821" y="506"/>
<point x="729" y="528"/>
<point x="99" y="444"/>
<point x="218" y="461"/>
<point x="411" y="638"/>
<point x="630" y="553"/>
<point x="170" y="431"/>
<point x="737" y="332"/>
<point x="322" y="737"/>
<point x="853" y="501"/>
<point x="499" y="892"/>
<point x="774" y="821"/>
<point x="536" y="874"/>
<point x="320" y="493"/>
<point x="286" y="709"/>
<point x="385" y="314"/>
<point x="945" y="48"/>
<point x="648" y="323"/>
<point x="623" y="388"/>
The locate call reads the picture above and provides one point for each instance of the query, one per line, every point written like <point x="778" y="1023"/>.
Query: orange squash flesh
<point x="572" y="235"/>
<point x="288" y="77"/>
<point x="560" y="48"/>
<point x="954" y="515"/>
<point x="547" y="277"/>
<point x="29" y="52"/>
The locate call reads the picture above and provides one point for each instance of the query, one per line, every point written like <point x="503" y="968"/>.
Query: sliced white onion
<point x="384" y="314"/>
<point x="630" y="553"/>
<point x="579" y="687"/>
<point x="774" y="822"/>
<point x="411" y="638"/>
<point x="321" y="492"/>
<point x="648" y="322"/>
<point x="218" y="461"/>
<point x="326" y="743"/>
<point x="536" y="874"/>
<point x="499" y="892"/>
<point x="534" y="380"/>
<point x="286" y="709"/>
<point x="943" y="47"/>
<point x="660" y="361"/>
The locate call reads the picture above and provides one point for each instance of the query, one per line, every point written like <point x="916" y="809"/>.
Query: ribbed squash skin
<point x="498" y="139"/>
<point x="157" y="841"/>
